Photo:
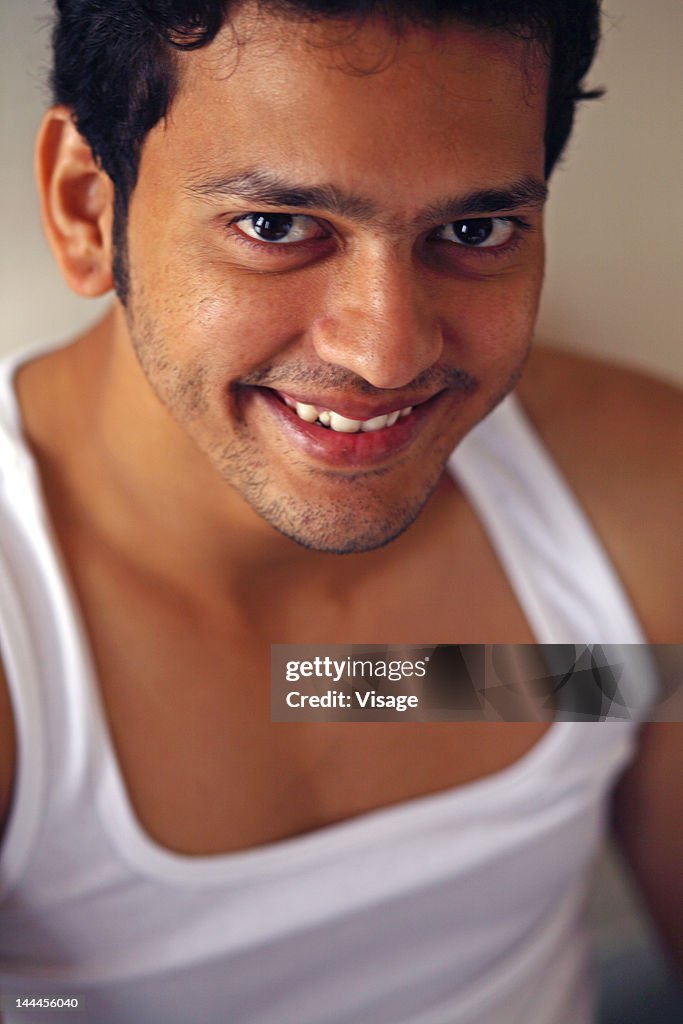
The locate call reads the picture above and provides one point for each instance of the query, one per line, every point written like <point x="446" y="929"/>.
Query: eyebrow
<point x="259" y="186"/>
<point x="526" y="193"/>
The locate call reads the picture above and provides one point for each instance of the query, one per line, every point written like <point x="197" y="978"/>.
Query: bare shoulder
<point x="617" y="436"/>
<point x="7" y="750"/>
<point x="575" y="399"/>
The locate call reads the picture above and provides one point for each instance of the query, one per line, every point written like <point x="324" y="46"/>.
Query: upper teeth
<point x="335" y="421"/>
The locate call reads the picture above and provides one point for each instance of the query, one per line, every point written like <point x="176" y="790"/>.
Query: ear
<point x="77" y="201"/>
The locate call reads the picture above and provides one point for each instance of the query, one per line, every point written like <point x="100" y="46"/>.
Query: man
<point x="325" y="236"/>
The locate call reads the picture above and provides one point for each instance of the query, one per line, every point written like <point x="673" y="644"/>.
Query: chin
<point x="346" y="528"/>
<point x="335" y="541"/>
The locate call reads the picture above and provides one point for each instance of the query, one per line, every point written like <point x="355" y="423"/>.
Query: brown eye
<point x="479" y="232"/>
<point x="277" y="228"/>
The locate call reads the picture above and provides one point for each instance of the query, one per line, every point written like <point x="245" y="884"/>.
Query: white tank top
<point x="464" y="907"/>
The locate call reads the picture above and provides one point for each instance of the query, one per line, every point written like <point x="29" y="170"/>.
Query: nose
<point x="379" y="321"/>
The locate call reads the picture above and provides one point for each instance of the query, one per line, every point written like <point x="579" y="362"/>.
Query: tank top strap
<point x="556" y="564"/>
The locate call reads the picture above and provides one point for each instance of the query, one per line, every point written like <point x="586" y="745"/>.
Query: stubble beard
<point x="360" y="520"/>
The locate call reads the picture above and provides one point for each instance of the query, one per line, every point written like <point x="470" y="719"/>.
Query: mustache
<point x="336" y="378"/>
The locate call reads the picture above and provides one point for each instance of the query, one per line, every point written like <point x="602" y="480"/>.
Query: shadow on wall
<point x="637" y="983"/>
<point x="638" y="989"/>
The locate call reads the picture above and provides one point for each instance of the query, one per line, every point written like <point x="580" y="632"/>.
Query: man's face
<point x="334" y="225"/>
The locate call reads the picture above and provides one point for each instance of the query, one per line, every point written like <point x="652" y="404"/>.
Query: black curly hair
<point x="114" y="61"/>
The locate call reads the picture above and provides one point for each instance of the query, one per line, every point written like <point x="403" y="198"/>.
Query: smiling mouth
<point x="333" y="420"/>
<point x="364" y="435"/>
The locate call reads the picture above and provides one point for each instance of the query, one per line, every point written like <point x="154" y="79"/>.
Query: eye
<point x="480" y="232"/>
<point x="278" y="228"/>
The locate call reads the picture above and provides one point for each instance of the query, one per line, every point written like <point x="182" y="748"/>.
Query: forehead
<point x="361" y="105"/>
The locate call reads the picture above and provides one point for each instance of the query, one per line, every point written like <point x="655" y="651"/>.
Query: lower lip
<point x="347" y="450"/>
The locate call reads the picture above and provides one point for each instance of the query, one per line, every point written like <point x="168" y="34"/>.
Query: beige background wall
<point x="615" y="222"/>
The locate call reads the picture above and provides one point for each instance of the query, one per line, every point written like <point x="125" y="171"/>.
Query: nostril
<point x="388" y="353"/>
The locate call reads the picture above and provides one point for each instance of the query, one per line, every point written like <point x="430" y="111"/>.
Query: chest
<point x="186" y="695"/>
<point x="207" y="771"/>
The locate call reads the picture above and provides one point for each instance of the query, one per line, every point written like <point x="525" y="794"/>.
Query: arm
<point x="7" y="751"/>
<point x="647" y="817"/>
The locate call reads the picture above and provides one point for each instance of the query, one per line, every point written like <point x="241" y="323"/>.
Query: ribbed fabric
<point x="465" y="907"/>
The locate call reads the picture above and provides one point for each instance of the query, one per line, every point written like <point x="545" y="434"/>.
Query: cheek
<point x="202" y="309"/>
<point x="490" y="322"/>
<point x="246" y="325"/>
<point x="230" y="323"/>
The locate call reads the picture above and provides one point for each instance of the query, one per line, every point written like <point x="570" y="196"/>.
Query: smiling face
<point x="335" y="252"/>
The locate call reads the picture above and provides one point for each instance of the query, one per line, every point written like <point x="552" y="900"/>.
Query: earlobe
<point x="77" y="205"/>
